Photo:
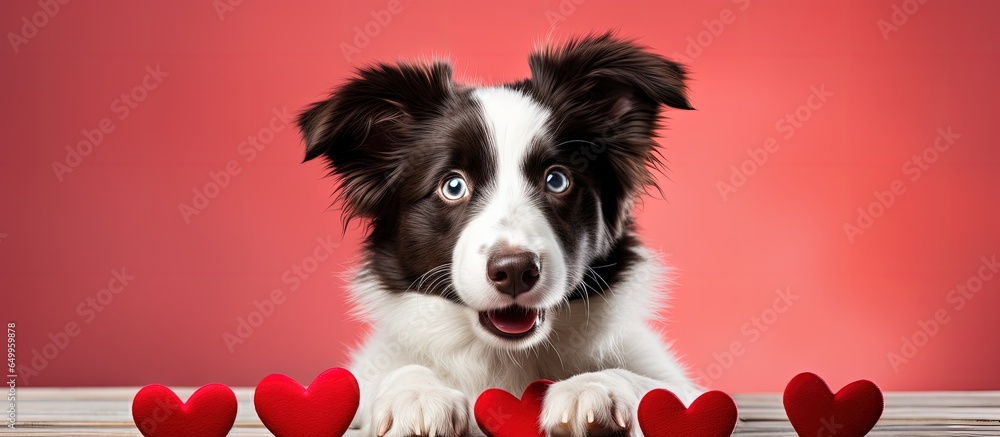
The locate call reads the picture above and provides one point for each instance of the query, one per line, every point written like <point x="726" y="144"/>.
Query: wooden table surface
<point x="107" y="412"/>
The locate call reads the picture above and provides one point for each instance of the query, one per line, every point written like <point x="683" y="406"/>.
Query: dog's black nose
<point x="513" y="273"/>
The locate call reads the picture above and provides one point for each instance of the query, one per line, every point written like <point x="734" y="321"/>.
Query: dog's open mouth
<point x="512" y="322"/>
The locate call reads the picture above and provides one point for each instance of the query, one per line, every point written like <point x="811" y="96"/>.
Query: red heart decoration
<point x="500" y="414"/>
<point x="815" y="411"/>
<point x="325" y="408"/>
<point x="662" y="414"/>
<point x="209" y="412"/>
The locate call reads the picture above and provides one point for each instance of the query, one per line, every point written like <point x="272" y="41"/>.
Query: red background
<point x="782" y="228"/>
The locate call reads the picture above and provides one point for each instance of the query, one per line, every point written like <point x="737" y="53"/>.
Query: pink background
<point x="783" y="227"/>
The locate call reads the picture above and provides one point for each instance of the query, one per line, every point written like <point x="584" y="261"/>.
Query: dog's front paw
<point x="590" y="404"/>
<point x="419" y="408"/>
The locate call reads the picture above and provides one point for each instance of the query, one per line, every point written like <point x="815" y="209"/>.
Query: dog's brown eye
<point x="454" y="188"/>
<point x="556" y="181"/>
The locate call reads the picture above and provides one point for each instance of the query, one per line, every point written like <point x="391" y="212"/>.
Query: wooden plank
<point x="107" y="411"/>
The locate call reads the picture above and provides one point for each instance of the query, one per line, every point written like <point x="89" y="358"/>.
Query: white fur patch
<point x="510" y="216"/>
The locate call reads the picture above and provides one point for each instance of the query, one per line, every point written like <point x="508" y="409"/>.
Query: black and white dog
<point x="501" y="246"/>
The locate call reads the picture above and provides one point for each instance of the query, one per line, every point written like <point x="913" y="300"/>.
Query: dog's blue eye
<point x="556" y="181"/>
<point x="454" y="188"/>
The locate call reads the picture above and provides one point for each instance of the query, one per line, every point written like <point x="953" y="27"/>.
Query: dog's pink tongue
<point x="513" y="320"/>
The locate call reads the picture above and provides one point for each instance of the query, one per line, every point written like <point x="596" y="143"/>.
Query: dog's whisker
<point x="586" y="302"/>
<point x="433" y="283"/>
<point x="410" y="287"/>
<point x="600" y="282"/>
<point x="605" y="288"/>
<point x="556" y="351"/>
<point x="603" y="267"/>
<point x="420" y="280"/>
<point x="443" y="268"/>
<point x="575" y="141"/>
<point x="444" y="282"/>
<point x="510" y="355"/>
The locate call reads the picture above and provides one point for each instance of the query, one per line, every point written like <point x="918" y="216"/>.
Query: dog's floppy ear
<point x="608" y="92"/>
<point x="605" y="69"/>
<point x="363" y="128"/>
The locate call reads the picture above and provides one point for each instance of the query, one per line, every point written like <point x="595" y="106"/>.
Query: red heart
<point x="500" y="414"/>
<point x="325" y="408"/>
<point x="209" y="412"/>
<point x="661" y="414"/>
<point x="815" y="411"/>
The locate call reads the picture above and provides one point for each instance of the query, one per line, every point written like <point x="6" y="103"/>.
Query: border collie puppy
<point x="501" y="246"/>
